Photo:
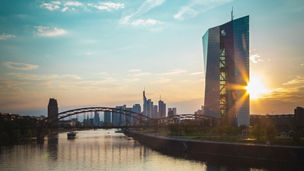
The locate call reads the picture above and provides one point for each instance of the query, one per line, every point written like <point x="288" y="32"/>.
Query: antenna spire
<point x="232" y="14"/>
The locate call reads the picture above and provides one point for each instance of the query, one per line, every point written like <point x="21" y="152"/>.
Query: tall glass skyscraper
<point x="226" y="63"/>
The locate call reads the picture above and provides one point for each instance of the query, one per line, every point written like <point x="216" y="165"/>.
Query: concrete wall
<point x="199" y="149"/>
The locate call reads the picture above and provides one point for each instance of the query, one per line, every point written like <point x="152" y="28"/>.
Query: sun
<point x="256" y="88"/>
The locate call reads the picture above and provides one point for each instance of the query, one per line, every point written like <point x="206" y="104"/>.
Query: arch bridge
<point x="138" y="119"/>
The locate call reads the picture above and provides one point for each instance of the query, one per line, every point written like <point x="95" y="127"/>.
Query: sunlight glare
<point x="256" y="88"/>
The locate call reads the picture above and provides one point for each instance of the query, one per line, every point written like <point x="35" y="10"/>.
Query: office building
<point x="226" y="63"/>
<point x="171" y="112"/>
<point x="107" y="117"/>
<point x="162" y="108"/>
<point x="53" y="113"/>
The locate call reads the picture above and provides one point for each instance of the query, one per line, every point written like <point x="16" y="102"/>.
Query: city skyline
<point x="86" y="53"/>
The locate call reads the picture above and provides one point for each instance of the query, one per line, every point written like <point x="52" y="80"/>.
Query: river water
<point x="97" y="150"/>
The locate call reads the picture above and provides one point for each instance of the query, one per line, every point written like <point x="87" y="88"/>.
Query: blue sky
<point x="106" y="52"/>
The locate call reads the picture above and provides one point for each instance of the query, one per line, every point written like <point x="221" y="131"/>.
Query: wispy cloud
<point x="162" y="80"/>
<point x="174" y="72"/>
<point x="196" y="7"/>
<point x="107" y="6"/>
<point x="74" y="5"/>
<point x="5" y="36"/>
<point x="19" y="66"/>
<point x="145" y="22"/>
<point x="255" y="58"/>
<point x="53" y="5"/>
<point x="140" y="74"/>
<point x="45" y="31"/>
<point x="299" y="80"/>
<point x="135" y="19"/>
<point x="134" y="70"/>
<point x="38" y="77"/>
<point x="196" y="73"/>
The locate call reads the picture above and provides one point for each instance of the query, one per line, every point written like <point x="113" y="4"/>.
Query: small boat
<point x="119" y="131"/>
<point x="71" y="135"/>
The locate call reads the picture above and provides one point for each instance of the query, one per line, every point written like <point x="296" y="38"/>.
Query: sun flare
<point x="256" y="88"/>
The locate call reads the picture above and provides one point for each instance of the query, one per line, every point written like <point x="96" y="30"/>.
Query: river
<point x="97" y="150"/>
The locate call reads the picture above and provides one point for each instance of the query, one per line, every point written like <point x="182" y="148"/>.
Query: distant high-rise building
<point x="162" y="108"/>
<point x="171" y="111"/>
<point x="149" y="108"/>
<point x="53" y="113"/>
<point x="136" y="108"/>
<point x="145" y="105"/>
<point x="119" y="119"/>
<point x="299" y="117"/>
<point x="107" y="117"/>
<point x="155" y="112"/>
<point x="129" y="119"/>
<point x="96" y="121"/>
<point x="226" y="60"/>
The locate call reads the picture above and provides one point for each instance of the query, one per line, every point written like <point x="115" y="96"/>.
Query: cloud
<point x="185" y="12"/>
<point x="139" y="74"/>
<point x="299" y="80"/>
<point x="39" y="77"/>
<point x="255" y="58"/>
<point x="162" y="80"/>
<point x="53" y="5"/>
<point x="108" y="6"/>
<point x="291" y="92"/>
<point x="45" y="31"/>
<point x="20" y="66"/>
<point x="65" y="9"/>
<point x="134" y="18"/>
<point x="134" y="70"/>
<point x="73" y="5"/>
<point x="196" y="73"/>
<point x="196" y="7"/>
<point x="145" y="22"/>
<point x="5" y="36"/>
<point x="174" y="72"/>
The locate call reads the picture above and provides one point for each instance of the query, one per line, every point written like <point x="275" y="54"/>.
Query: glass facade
<point x="226" y="62"/>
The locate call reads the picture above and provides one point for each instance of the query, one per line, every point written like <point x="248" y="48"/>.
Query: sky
<point x="105" y="53"/>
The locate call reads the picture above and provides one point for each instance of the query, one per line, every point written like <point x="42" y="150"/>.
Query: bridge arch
<point x="61" y="115"/>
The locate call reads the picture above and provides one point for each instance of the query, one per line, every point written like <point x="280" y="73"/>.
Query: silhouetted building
<point x="199" y="111"/>
<point x="226" y="60"/>
<point x="171" y="111"/>
<point x="299" y="117"/>
<point x="107" y="117"/>
<point x="118" y="118"/>
<point x="96" y="121"/>
<point x="53" y="113"/>
<point x="282" y="122"/>
<point x="149" y="108"/>
<point x="155" y="112"/>
<point x="145" y="105"/>
<point x="136" y="108"/>
<point x="162" y="108"/>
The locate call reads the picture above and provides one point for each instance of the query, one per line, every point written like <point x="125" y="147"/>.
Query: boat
<point x="71" y="135"/>
<point x="119" y="131"/>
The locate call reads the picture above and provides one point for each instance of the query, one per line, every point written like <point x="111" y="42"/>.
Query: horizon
<point x="88" y="53"/>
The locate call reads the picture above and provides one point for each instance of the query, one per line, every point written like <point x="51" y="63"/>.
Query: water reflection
<point x="52" y="147"/>
<point x="97" y="150"/>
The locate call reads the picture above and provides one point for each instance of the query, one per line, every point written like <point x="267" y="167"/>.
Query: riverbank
<point x="202" y="149"/>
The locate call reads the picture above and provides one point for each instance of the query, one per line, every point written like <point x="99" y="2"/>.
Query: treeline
<point x="17" y="131"/>
<point x="259" y="133"/>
